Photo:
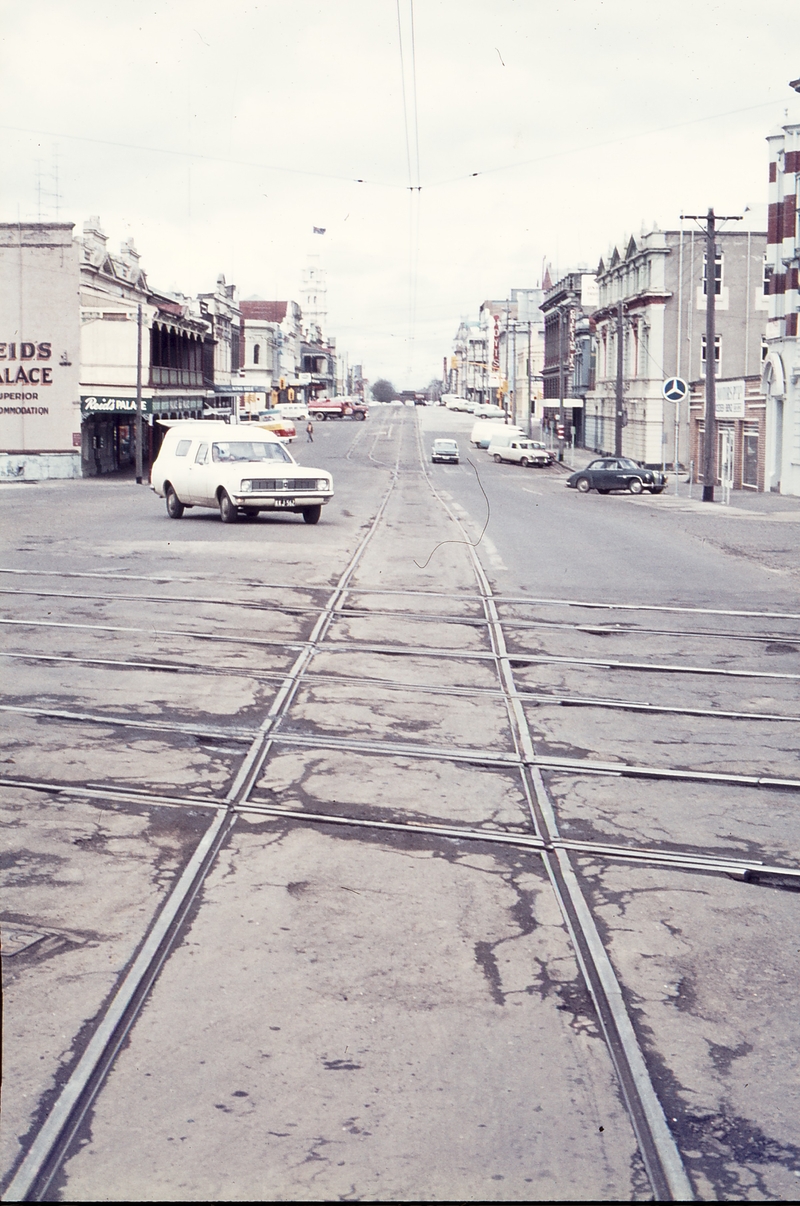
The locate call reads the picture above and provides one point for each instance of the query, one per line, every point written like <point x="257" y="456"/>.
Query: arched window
<point x="256" y="354"/>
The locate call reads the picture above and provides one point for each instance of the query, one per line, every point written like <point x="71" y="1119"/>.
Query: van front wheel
<point x="312" y="514"/>
<point x="497" y="458"/>
<point x="227" y="511"/>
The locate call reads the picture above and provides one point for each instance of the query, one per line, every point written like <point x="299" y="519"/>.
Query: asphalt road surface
<point x="447" y="850"/>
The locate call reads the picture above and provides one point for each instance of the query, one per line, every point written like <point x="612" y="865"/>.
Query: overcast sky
<point x="219" y="134"/>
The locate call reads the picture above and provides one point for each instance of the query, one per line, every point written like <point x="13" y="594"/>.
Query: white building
<point x="781" y="377"/>
<point x="660" y="281"/>
<point x="40" y="419"/>
<point x="270" y="348"/>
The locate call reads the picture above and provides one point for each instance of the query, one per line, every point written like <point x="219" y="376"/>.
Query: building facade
<point x="568" y="369"/>
<point x="40" y="355"/>
<point x="130" y="330"/>
<point x="653" y="297"/>
<point x="781" y="376"/>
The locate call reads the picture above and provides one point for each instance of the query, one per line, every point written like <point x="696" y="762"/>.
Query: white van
<point x="519" y="450"/>
<point x="240" y="470"/>
<point x="485" y="430"/>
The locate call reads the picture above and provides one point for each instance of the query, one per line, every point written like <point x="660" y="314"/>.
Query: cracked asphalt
<point x="351" y="1013"/>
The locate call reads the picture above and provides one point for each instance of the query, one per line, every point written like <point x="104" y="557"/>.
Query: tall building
<point x="314" y="293"/>
<point x="781" y="378"/>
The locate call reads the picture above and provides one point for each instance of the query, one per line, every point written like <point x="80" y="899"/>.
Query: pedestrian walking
<point x="310" y="432"/>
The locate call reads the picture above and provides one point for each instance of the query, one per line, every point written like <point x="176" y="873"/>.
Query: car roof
<point x="195" y="428"/>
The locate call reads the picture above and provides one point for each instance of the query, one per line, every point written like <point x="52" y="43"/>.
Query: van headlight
<point x="323" y="483"/>
<point x="246" y="487"/>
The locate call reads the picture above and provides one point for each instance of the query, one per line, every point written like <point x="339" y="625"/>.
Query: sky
<point x="449" y="148"/>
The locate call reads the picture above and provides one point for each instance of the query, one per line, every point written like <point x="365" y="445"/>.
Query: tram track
<point x="658" y="1148"/>
<point x="686" y="859"/>
<point x="461" y="620"/>
<point x="396" y="748"/>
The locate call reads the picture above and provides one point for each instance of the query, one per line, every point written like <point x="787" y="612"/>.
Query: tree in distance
<point x="383" y="391"/>
<point x="434" y="390"/>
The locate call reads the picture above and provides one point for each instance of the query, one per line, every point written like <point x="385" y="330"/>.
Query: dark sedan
<point x="617" y="473"/>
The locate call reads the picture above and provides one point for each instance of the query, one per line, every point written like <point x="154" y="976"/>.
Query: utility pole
<point x="530" y="411"/>
<point x="710" y="425"/>
<point x="561" y="416"/>
<point x="619" y="413"/>
<point x="139" y="424"/>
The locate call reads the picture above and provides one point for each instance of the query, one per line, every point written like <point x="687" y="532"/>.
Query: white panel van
<point x="486" y="429"/>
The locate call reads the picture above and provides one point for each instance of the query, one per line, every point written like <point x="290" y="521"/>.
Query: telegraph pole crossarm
<point x="710" y="426"/>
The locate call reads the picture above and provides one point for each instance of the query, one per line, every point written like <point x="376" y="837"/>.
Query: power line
<point x="132" y="146"/>
<point x="591" y="146"/>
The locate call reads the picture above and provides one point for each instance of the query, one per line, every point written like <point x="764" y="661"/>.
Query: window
<point x="202" y="454"/>
<point x="183" y="447"/>
<point x="256" y="354"/>
<point x="717" y="274"/>
<point x="764" y="350"/>
<point x="717" y="354"/>
<point x="768" y="270"/>
<point x="750" y="458"/>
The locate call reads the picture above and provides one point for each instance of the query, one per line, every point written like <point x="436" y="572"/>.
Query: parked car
<point x="551" y="456"/>
<point x="446" y="451"/>
<point x="519" y="451"/>
<point x="489" y="411"/>
<point x="455" y="402"/>
<point x="241" y="470"/>
<point x="617" y="473"/>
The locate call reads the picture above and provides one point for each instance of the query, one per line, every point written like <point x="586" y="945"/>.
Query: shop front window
<point x="750" y="459"/>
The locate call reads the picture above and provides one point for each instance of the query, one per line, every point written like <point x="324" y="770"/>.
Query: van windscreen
<point x="248" y="450"/>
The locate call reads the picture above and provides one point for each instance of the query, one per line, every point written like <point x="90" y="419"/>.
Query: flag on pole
<point x="319" y="230"/>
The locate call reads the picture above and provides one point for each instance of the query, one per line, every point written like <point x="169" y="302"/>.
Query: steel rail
<point x="743" y="869"/>
<point x="52" y="1141"/>
<point x="535" y="659"/>
<point x="405" y="650"/>
<point x="323" y="678"/>
<point x="475" y="757"/>
<point x="234" y="733"/>
<point x="301" y="609"/>
<point x="500" y="600"/>
<point x="691" y="860"/>
<point x="633" y="705"/>
<point x="210" y="601"/>
<point x="319" y="677"/>
<point x="157" y="632"/>
<point x="658" y="607"/>
<point x="657" y="1145"/>
<point x="56" y="1133"/>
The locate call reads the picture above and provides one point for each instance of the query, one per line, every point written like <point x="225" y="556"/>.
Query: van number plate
<point x="283" y="502"/>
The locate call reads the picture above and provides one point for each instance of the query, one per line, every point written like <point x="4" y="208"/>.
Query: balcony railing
<point x="175" y="376"/>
